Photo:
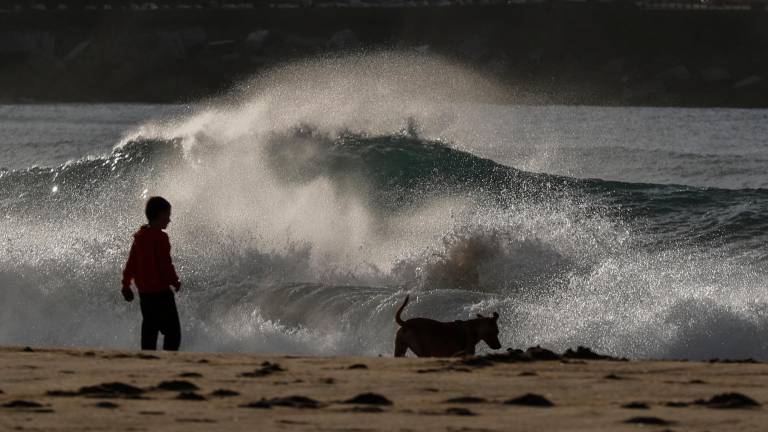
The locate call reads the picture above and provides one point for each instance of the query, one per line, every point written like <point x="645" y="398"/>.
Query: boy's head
<point x="158" y="212"/>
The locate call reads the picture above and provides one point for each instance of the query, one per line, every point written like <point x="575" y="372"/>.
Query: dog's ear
<point x="480" y="316"/>
<point x="495" y="316"/>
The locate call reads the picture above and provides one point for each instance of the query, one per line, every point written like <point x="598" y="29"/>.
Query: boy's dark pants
<point x="159" y="315"/>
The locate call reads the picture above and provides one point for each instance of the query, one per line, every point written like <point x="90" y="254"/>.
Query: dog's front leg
<point x="470" y="350"/>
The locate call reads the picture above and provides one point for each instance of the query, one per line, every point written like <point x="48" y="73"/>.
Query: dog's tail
<point x="399" y="311"/>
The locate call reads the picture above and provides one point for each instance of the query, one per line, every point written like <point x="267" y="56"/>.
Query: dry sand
<point x="586" y="395"/>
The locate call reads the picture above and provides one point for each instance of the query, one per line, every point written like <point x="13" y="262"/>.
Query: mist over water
<point x="312" y="199"/>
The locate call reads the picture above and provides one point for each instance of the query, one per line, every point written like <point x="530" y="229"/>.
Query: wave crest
<point x="303" y="211"/>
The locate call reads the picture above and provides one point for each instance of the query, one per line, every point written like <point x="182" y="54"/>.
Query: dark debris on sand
<point x="636" y="405"/>
<point x="746" y="360"/>
<point x="27" y="406"/>
<point x="142" y="356"/>
<point x="648" y="421"/>
<point x="459" y="411"/>
<point x="446" y="369"/>
<point x="224" y="393"/>
<point x="536" y="353"/>
<point x="568" y="361"/>
<point x="106" y="390"/>
<point x="190" y="375"/>
<point x="19" y="403"/>
<point x="368" y="399"/>
<point x="261" y="404"/>
<point x="728" y="401"/>
<point x="467" y="399"/>
<point x="358" y="366"/>
<point x="195" y="420"/>
<point x="267" y="368"/>
<point x="107" y="405"/>
<point x="145" y="356"/>
<point x="530" y="399"/>
<point x="177" y="385"/>
<point x="584" y="353"/>
<point x="288" y="401"/>
<point x="190" y="396"/>
<point x="295" y="402"/>
<point x="366" y="409"/>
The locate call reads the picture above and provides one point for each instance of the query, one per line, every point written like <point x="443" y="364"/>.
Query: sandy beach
<point x="72" y="389"/>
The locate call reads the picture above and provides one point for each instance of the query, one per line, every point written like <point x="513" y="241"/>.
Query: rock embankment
<point x="571" y="53"/>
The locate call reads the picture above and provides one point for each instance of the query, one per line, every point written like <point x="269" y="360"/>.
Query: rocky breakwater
<point x="591" y="53"/>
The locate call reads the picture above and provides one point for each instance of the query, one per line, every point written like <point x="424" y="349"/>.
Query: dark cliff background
<point x="548" y="52"/>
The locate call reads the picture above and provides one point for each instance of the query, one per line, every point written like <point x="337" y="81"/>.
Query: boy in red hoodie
<point x="149" y="266"/>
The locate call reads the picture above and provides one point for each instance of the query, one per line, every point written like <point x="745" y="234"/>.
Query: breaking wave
<point x="305" y="209"/>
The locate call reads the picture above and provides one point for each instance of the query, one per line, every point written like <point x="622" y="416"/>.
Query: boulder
<point x="474" y="48"/>
<point x="423" y="49"/>
<point x="78" y="50"/>
<point x="343" y="40"/>
<point x="614" y="66"/>
<point x="714" y="74"/>
<point x="37" y="42"/>
<point x="748" y="81"/>
<point x="295" y="42"/>
<point x="676" y="74"/>
<point x="498" y="66"/>
<point x="169" y="45"/>
<point x="256" y="40"/>
<point x="643" y="90"/>
<point x="193" y="38"/>
<point x="224" y="46"/>
<point x="180" y="44"/>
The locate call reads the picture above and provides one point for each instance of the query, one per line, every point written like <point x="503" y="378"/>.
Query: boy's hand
<point x="127" y="294"/>
<point x="177" y="285"/>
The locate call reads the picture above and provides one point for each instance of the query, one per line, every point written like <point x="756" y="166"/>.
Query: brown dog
<point x="430" y="338"/>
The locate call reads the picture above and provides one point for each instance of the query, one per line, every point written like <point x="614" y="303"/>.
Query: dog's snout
<point x="494" y="343"/>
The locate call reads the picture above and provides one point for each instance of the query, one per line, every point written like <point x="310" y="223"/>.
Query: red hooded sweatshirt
<point x="149" y="262"/>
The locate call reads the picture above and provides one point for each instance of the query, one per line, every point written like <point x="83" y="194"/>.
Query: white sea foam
<point x="289" y="242"/>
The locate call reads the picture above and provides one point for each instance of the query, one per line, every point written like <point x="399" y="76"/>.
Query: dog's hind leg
<point x="400" y="346"/>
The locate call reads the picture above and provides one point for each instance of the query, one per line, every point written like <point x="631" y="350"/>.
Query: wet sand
<point x="68" y="389"/>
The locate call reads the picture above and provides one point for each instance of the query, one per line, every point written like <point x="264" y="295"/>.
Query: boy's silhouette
<point x="149" y="266"/>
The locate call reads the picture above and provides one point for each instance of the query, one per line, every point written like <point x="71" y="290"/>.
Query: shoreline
<point x="63" y="389"/>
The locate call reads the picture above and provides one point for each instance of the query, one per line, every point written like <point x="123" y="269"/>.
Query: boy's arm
<point x="166" y="264"/>
<point x="128" y="273"/>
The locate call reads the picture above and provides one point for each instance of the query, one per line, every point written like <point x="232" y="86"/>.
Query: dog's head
<point x="488" y="330"/>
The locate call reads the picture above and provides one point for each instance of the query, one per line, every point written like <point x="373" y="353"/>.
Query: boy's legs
<point x="150" y="325"/>
<point x="170" y="328"/>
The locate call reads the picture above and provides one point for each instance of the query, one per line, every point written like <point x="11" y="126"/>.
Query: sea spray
<point x="306" y="206"/>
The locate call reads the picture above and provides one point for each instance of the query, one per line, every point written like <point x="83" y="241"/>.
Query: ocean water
<point x="311" y="199"/>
